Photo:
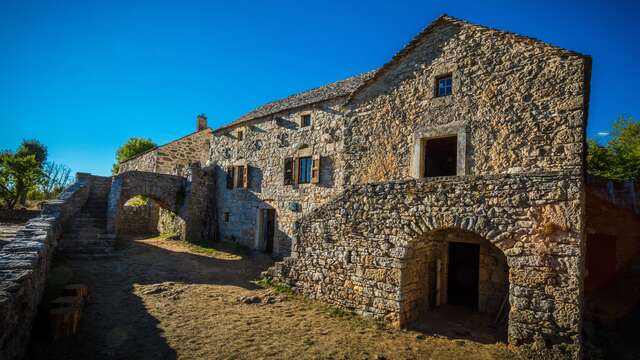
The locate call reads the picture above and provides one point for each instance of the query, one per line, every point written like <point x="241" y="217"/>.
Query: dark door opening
<point x="440" y="157"/>
<point x="269" y="222"/>
<point x="464" y="271"/>
<point x="601" y="261"/>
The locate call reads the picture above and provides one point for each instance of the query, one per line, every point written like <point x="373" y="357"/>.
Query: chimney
<point x="201" y="122"/>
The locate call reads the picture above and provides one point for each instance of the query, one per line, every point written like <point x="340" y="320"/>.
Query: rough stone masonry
<point x="469" y="137"/>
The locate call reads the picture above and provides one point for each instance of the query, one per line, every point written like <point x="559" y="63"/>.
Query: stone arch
<point x="187" y="197"/>
<point x="425" y="275"/>
<point x="483" y="226"/>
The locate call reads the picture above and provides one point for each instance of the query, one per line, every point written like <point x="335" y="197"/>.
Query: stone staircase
<point x="8" y="232"/>
<point x="86" y="235"/>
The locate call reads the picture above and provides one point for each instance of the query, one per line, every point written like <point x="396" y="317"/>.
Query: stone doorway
<point x="464" y="272"/>
<point x="266" y="229"/>
<point x="452" y="275"/>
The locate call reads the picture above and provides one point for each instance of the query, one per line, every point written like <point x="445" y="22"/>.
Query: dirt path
<point x="159" y="300"/>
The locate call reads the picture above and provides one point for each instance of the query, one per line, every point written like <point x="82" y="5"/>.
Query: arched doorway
<point x="454" y="276"/>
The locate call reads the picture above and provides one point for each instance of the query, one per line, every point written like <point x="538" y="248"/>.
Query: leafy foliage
<point x="131" y="148"/>
<point x="619" y="159"/>
<point x="18" y="175"/>
<point x="35" y="148"/>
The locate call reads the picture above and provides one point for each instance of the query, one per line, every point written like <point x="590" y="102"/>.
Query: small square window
<point x="305" y="120"/>
<point x="225" y="216"/>
<point x="444" y="86"/>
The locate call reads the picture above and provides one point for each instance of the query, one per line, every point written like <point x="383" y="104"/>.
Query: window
<point x="444" y="86"/>
<point x="304" y="170"/>
<point x="225" y="216"/>
<point x="305" y="120"/>
<point x="441" y="157"/>
<point x="288" y="171"/>
<point x="238" y="177"/>
<point x="240" y="134"/>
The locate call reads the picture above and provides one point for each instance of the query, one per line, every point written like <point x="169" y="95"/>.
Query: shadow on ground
<point x="116" y="324"/>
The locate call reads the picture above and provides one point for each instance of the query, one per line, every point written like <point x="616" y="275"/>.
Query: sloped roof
<point x="330" y="91"/>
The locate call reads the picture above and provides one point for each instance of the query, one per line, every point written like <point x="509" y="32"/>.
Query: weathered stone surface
<point x="369" y="235"/>
<point x="24" y="265"/>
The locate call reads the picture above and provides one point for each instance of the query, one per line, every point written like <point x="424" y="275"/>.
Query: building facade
<point x="461" y="158"/>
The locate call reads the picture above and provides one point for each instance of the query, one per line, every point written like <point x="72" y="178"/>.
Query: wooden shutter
<point x="288" y="171"/>
<point x="239" y="179"/>
<point x="296" y="168"/>
<point x="245" y="178"/>
<point x="230" y="177"/>
<point x="315" y="169"/>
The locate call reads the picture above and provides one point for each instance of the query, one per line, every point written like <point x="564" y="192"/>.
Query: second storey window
<point x="238" y="177"/>
<point x="304" y="170"/>
<point x="305" y="120"/>
<point x="441" y="157"/>
<point x="444" y="86"/>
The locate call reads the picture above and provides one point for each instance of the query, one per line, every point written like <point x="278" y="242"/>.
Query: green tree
<point x="35" y="148"/>
<point x="619" y="159"/>
<point x="18" y="175"/>
<point x="131" y="148"/>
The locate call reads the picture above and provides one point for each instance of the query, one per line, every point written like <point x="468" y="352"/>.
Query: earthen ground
<point x="159" y="299"/>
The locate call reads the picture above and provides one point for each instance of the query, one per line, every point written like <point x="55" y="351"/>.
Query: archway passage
<point x="456" y="283"/>
<point x="142" y="216"/>
<point x="185" y="203"/>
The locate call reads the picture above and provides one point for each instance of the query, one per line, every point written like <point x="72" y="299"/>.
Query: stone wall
<point x="24" y="265"/>
<point x="361" y="250"/>
<point x="519" y="103"/>
<point x="139" y="220"/>
<point x="266" y="143"/>
<point x="172" y="158"/>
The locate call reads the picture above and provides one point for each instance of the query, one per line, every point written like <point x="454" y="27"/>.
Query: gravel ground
<point x="160" y="299"/>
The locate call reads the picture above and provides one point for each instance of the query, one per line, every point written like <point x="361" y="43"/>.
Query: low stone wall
<point x="139" y="220"/>
<point x="17" y="215"/>
<point x="24" y="265"/>
<point x="362" y="249"/>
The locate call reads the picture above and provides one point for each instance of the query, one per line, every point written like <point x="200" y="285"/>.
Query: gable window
<point x="444" y="85"/>
<point x="440" y="156"/>
<point x="305" y="120"/>
<point x="240" y="134"/>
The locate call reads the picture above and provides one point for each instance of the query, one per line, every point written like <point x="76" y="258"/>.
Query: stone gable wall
<point x="172" y="158"/>
<point x="359" y="250"/>
<point x="267" y="142"/>
<point x="519" y="103"/>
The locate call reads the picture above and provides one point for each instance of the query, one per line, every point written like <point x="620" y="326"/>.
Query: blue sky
<point x="84" y="76"/>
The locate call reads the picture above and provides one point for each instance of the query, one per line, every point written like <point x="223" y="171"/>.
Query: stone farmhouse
<point x="453" y="174"/>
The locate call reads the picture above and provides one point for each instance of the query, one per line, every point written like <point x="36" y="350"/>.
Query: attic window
<point x="440" y="156"/>
<point x="444" y="85"/>
<point x="305" y="120"/>
<point x="240" y="134"/>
